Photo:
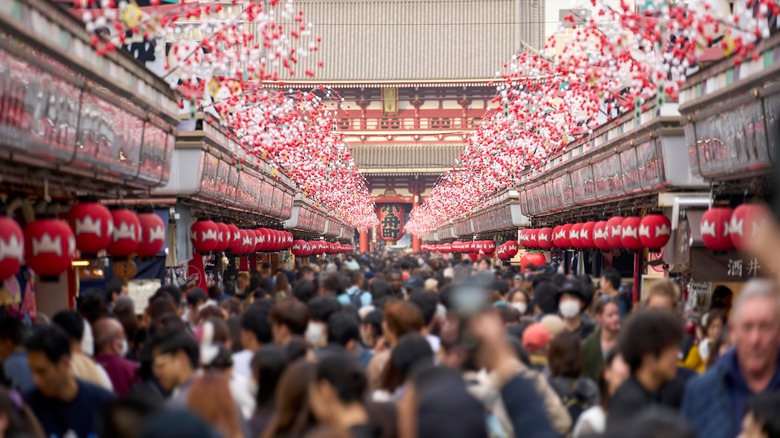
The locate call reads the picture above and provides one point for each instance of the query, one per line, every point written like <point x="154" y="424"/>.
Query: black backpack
<point x="576" y="395"/>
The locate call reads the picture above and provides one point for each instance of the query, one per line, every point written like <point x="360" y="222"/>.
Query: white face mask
<point x="125" y="348"/>
<point x="520" y="307"/>
<point x="569" y="308"/>
<point x="315" y="335"/>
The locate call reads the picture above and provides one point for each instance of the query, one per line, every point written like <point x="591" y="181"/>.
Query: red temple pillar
<point x="415" y="239"/>
<point x="364" y="241"/>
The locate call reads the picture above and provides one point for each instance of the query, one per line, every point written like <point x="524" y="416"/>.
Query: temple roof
<point x="406" y="158"/>
<point x="411" y="40"/>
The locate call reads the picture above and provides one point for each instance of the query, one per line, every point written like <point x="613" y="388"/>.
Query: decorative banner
<point x="391" y="222"/>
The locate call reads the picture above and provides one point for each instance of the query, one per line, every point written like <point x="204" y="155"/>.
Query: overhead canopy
<point x="417" y="40"/>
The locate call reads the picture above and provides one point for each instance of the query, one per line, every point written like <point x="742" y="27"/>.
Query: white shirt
<point x="242" y="363"/>
<point x="592" y="421"/>
<point x="435" y="343"/>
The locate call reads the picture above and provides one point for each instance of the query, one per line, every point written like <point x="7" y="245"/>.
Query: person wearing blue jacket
<point x="715" y="402"/>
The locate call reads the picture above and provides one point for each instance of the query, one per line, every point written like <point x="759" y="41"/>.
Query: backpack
<point x="356" y="298"/>
<point x="574" y="396"/>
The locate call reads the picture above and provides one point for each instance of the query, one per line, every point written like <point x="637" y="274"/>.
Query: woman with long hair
<point x="282" y="287"/>
<point x="211" y="400"/>
<point x="292" y="416"/>
<point x="268" y="365"/>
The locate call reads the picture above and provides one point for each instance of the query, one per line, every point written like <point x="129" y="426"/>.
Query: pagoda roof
<point x="403" y="41"/>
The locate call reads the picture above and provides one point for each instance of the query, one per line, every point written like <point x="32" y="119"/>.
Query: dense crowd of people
<point x="397" y="346"/>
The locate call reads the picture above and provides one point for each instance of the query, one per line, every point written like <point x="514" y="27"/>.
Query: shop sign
<point x="730" y="266"/>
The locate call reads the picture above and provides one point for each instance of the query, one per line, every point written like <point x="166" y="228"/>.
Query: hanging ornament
<point x="655" y="231"/>
<point x="127" y="233"/>
<point x="93" y="227"/>
<point x="204" y="236"/>
<point x="629" y="233"/>
<point x="49" y="246"/>
<point x="11" y="247"/>
<point x="715" y="232"/>
<point x="152" y="235"/>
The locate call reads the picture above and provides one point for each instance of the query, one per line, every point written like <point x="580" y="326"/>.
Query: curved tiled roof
<point x="411" y="40"/>
<point x="408" y="156"/>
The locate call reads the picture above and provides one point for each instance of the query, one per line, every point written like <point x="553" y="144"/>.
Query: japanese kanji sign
<point x="730" y="266"/>
<point x="391" y="222"/>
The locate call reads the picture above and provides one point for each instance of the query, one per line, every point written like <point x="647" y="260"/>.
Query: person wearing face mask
<point x="111" y="345"/>
<point x="320" y="310"/>
<point x="519" y="301"/>
<point x="571" y="300"/>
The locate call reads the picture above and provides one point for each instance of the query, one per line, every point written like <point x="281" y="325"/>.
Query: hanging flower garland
<point x="614" y="63"/>
<point x="220" y="58"/>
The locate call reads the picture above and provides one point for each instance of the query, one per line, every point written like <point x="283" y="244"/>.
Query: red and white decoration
<point x="127" y="233"/>
<point x="615" y="232"/>
<point x="11" y="247"/>
<point x="224" y="238"/>
<point x="586" y="235"/>
<point x="629" y="233"/>
<point x="655" y="231"/>
<point x="715" y="230"/>
<point x="93" y="226"/>
<point x="204" y="236"/>
<point x="49" y="246"/>
<point x="744" y="224"/>
<point x="544" y="238"/>
<point x="600" y="234"/>
<point x="507" y="250"/>
<point x="152" y="235"/>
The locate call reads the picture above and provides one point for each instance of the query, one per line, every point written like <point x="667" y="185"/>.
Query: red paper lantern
<point x="247" y="242"/>
<point x="234" y="238"/>
<point x="564" y="237"/>
<point x="224" y="238"/>
<point x="600" y="236"/>
<point x="544" y="238"/>
<point x="298" y="248"/>
<point x="556" y="236"/>
<point x="127" y="233"/>
<point x="574" y="235"/>
<point x="629" y="233"/>
<point x="532" y="258"/>
<point x="490" y="247"/>
<point x="655" y="231"/>
<point x="204" y="236"/>
<point x="11" y="247"/>
<point x="586" y="235"/>
<point x="446" y="248"/>
<point x="49" y="245"/>
<point x="533" y="238"/>
<point x="258" y="240"/>
<point x="290" y="239"/>
<point x="744" y="224"/>
<point x="152" y="235"/>
<point x="92" y="225"/>
<point x="507" y="250"/>
<point x="715" y="231"/>
<point x="614" y="232"/>
<point x="307" y="249"/>
<point x="474" y="257"/>
<point x="255" y="237"/>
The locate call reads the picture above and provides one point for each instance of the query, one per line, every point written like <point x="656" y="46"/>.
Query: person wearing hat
<point x="571" y="301"/>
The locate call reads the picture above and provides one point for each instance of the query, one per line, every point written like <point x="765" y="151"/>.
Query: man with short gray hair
<point x="714" y="403"/>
